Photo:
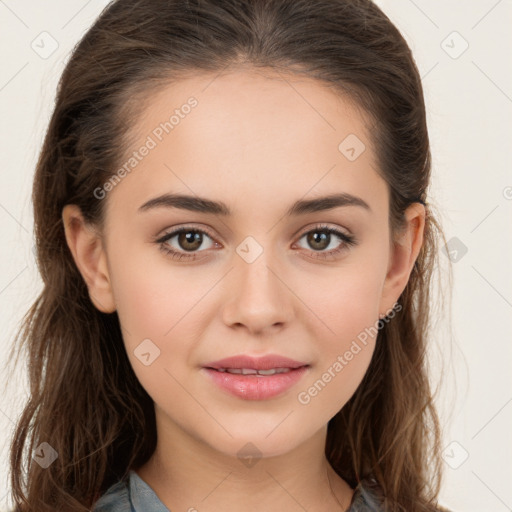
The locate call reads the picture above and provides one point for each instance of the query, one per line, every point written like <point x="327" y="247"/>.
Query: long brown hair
<point x="85" y="400"/>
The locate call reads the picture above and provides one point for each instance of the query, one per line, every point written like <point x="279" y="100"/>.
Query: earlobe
<point x="404" y="252"/>
<point x="89" y="255"/>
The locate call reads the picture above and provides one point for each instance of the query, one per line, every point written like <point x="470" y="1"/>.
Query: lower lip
<point x="252" y="387"/>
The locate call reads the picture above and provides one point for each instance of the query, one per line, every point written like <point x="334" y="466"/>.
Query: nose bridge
<point x="259" y="298"/>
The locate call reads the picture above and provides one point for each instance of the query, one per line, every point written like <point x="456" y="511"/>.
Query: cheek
<point x="158" y="310"/>
<point x="334" y="383"/>
<point x="345" y="327"/>
<point x="344" y="349"/>
<point x="344" y="302"/>
<point x="152" y="296"/>
<point x="162" y="313"/>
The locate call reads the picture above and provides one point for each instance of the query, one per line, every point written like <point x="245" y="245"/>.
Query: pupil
<point x="320" y="238"/>
<point x="191" y="238"/>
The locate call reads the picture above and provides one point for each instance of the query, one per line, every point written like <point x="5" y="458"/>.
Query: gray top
<point x="135" y="495"/>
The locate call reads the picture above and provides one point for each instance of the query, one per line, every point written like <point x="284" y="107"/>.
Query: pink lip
<point x="256" y="387"/>
<point x="257" y="363"/>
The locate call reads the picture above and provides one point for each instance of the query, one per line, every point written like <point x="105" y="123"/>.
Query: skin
<point x="273" y="139"/>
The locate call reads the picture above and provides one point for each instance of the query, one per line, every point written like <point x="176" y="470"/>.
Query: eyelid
<point x="323" y="226"/>
<point x="299" y="234"/>
<point x="347" y="240"/>
<point x="175" y="231"/>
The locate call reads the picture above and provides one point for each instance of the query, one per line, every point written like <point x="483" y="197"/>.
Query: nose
<point x="259" y="300"/>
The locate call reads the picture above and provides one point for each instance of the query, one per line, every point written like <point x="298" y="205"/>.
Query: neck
<point x="186" y="474"/>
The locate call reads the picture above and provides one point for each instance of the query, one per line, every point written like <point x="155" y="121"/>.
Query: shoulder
<point x="115" y="499"/>
<point x="368" y="497"/>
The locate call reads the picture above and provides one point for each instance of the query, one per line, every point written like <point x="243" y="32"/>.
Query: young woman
<point x="236" y="245"/>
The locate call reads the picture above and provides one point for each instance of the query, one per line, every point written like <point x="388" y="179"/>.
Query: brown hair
<point x="85" y="400"/>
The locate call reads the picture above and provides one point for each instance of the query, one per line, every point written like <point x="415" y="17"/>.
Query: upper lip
<point x="267" y="362"/>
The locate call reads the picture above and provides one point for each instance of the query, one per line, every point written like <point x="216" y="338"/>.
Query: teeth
<point x="273" y="371"/>
<point x="251" y="371"/>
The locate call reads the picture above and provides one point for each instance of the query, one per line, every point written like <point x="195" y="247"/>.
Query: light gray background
<point x="469" y="100"/>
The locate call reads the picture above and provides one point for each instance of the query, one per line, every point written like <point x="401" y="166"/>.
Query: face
<point x="259" y="278"/>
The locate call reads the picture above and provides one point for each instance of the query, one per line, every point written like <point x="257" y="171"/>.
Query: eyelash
<point x="348" y="241"/>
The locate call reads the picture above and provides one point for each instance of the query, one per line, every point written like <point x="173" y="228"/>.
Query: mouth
<point x="257" y="373"/>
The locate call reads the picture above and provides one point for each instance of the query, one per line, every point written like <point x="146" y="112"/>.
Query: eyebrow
<point x="300" y="207"/>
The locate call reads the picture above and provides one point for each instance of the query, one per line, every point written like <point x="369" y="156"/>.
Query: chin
<point x="257" y="444"/>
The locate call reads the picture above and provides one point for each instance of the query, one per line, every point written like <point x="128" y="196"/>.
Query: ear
<point x="404" y="251"/>
<point x="86" y="246"/>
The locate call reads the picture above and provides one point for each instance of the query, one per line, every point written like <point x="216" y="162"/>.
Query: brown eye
<point x="318" y="240"/>
<point x="190" y="240"/>
<point x="323" y="237"/>
<point x="187" y="244"/>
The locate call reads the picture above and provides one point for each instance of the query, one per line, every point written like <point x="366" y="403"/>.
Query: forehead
<point x="248" y="134"/>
